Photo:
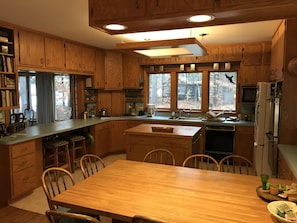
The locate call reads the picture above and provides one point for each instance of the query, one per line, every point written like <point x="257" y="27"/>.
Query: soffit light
<point x="201" y="18"/>
<point x="165" y="48"/>
<point x="115" y="27"/>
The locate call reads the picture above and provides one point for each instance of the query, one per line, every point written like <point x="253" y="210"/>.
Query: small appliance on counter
<point x="103" y="112"/>
<point x="3" y="130"/>
<point x="150" y="110"/>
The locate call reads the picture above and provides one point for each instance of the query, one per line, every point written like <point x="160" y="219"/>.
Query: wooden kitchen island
<point x="182" y="142"/>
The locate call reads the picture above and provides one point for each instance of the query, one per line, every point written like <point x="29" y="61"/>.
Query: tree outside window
<point x="222" y="91"/>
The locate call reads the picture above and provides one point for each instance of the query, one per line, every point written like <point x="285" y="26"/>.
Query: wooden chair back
<point x="237" y="164"/>
<point x="161" y="156"/>
<point x="55" y="180"/>
<point x="143" y="219"/>
<point x="69" y="217"/>
<point x="90" y="164"/>
<point x="201" y="161"/>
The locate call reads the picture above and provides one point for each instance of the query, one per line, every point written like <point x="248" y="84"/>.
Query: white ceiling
<point x="69" y="19"/>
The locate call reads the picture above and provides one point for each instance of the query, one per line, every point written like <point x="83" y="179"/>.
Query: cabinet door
<point x="88" y="59"/>
<point x="102" y="139"/>
<point x="132" y="72"/>
<point x="117" y="103"/>
<point x="104" y="100"/>
<point x="244" y="141"/>
<point x="99" y="75"/>
<point x="113" y="71"/>
<point x="54" y="53"/>
<point x="117" y="132"/>
<point x="31" y="48"/>
<point x="73" y="56"/>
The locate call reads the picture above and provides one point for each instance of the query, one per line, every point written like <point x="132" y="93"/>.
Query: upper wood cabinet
<point x="278" y="52"/>
<point x="54" y="53"/>
<point x="113" y="70"/>
<point x="88" y="59"/>
<point x="79" y="58"/>
<point x="99" y="75"/>
<point x="132" y="72"/>
<point x="73" y="56"/>
<point x="31" y="48"/>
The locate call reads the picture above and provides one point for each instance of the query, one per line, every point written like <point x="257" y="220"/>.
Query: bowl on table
<point x="272" y="208"/>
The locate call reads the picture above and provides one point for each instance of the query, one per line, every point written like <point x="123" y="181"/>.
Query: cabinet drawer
<point x="23" y="162"/>
<point x="160" y="141"/>
<point x="23" y="148"/>
<point x="23" y="181"/>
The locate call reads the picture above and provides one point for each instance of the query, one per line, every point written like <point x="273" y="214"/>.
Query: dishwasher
<point x="219" y="140"/>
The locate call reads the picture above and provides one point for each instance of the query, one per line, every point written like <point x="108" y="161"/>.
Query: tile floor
<point x="37" y="202"/>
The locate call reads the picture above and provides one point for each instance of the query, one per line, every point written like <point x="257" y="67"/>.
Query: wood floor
<point x="10" y="214"/>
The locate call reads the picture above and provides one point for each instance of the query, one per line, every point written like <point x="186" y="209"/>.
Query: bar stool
<point x="56" y="153"/>
<point x="77" y="148"/>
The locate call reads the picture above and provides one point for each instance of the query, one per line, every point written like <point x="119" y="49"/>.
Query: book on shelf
<point x="3" y="39"/>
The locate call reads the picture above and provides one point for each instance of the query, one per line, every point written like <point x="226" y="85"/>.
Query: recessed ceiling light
<point x="201" y="18"/>
<point x="115" y="27"/>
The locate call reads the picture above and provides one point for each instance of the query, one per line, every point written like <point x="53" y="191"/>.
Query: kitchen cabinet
<point x="104" y="100"/>
<point x="88" y="57"/>
<point x="102" y="136"/>
<point x="19" y="176"/>
<point x="73" y="56"/>
<point x="284" y="172"/>
<point x="278" y="53"/>
<point x="31" y="48"/>
<point x="117" y="103"/>
<point x="54" y="53"/>
<point x="99" y="74"/>
<point x="117" y="135"/>
<point x="132" y="72"/>
<point x="23" y="169"/>
<point x="182" y="143"/>
<point x="113" y="71"/>
<point x="79" y="58"/>
<point x="244" y="141"/>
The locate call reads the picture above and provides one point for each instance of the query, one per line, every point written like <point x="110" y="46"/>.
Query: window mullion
<point x="173" y="103"/>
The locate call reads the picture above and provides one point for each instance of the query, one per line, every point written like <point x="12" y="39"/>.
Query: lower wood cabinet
<point x="102" y="139"/>
<point x="244" y="141"/>
<point x="138" y="144"/>
<point x="21" y="176"/>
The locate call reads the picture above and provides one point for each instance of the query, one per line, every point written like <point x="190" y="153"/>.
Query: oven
<point x="219" y="140"/>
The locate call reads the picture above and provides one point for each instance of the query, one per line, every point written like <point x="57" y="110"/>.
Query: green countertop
<point x="43" y="130"/>
<point x="289" y="153"/>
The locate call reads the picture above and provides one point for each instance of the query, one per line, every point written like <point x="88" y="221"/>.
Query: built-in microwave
<point x="248" y="94"/>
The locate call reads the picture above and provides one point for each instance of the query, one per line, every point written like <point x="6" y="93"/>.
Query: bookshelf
<point x="8" y="76"/>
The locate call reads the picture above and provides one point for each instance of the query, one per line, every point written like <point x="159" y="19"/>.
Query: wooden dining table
<point x="171" y="194"/>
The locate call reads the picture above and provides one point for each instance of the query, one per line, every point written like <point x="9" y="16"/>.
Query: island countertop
<point x="178" y="131"/>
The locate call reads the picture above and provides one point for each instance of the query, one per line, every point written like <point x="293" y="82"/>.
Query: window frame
<point x="205" y="69"/>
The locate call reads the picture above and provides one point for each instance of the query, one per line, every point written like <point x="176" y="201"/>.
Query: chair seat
<point x="75" y="138"/>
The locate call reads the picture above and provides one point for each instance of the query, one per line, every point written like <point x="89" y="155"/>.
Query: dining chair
<point x="143" y="219"/>
<point x="237" y="164"/>
<point x="201" y="161"/>
<point x="90" y="164"/>
<point x="55" y="180"/>
<point x="68" y="217"/>
<point x="161" y="156"/>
